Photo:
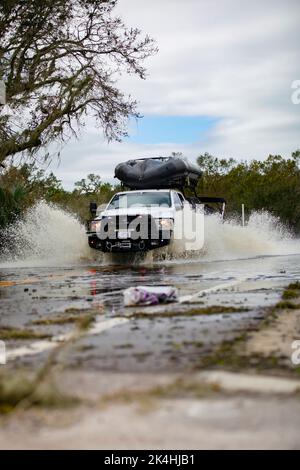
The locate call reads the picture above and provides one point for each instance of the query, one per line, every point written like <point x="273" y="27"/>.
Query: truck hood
<point x="156" y="212"/>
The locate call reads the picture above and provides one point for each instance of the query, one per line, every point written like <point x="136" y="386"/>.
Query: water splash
<point x="50" y="236"/>
<point x="264" y="235"/>
<point x="46" y="236"/>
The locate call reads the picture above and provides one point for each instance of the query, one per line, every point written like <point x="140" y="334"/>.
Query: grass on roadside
<point x="10" y="333"/>
<point x="210" y="310"/>
<point x="18" y="388"/>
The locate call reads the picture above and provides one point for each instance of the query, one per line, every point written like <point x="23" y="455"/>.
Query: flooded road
<point x="31" y="297"/>
<point x="49" y="277"/>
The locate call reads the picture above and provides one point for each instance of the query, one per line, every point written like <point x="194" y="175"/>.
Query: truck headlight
<point x="95" y="226"/>
<point x="166" y="224"/>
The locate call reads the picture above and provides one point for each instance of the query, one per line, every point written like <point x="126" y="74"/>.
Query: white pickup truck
<point x="143" y="220"/>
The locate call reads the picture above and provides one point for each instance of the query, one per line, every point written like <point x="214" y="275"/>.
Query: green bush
<point x="11" y="203"/>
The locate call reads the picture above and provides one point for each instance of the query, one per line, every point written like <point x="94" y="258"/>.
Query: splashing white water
<point x="264" y="235"/>
<point x="50" y="236"/>
<point x="47" y="236"/>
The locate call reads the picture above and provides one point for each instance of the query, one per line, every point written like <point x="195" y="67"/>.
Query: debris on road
<point x="149" y="295"/>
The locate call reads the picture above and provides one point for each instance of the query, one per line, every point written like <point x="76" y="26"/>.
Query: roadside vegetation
<point x="272" y="184"/>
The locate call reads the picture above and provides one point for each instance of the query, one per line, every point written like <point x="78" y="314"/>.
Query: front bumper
<point x="122" y="246"/>
<point x="129" y="233"/>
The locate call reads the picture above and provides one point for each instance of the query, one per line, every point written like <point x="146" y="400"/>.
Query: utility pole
<point x="243" y="215"/>
<point x="2" y="103"/>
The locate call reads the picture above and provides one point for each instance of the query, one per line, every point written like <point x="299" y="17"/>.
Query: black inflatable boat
<point x="158" y="173"/>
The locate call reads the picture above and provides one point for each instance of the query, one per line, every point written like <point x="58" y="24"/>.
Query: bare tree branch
<point x="60" y="61"/>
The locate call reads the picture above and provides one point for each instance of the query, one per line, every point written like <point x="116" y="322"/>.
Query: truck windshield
<point x="140" y="199"/>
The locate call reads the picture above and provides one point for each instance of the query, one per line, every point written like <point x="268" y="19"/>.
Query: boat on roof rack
<point x="158" y="173"/>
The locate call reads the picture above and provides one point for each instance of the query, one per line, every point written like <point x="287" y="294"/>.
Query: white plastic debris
<point x="149" y="295"/>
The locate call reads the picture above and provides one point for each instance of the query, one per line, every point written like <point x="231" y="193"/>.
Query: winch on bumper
<point x="129" y="233"/>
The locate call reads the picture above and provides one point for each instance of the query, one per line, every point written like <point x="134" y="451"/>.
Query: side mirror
<point x="93" y="209"/>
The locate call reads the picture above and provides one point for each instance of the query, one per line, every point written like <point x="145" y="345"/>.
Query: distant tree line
<point x="272" y="184"/>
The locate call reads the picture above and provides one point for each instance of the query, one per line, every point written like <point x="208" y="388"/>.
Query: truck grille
<point x="143" y="224"/>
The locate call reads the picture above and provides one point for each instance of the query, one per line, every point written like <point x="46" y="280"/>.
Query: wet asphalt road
<point x="156" y="344"/>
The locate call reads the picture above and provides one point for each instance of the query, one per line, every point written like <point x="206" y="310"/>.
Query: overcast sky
<point x="221" y="83"/>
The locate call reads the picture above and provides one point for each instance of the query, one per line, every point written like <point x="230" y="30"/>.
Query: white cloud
<point x="231" y="59"/>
